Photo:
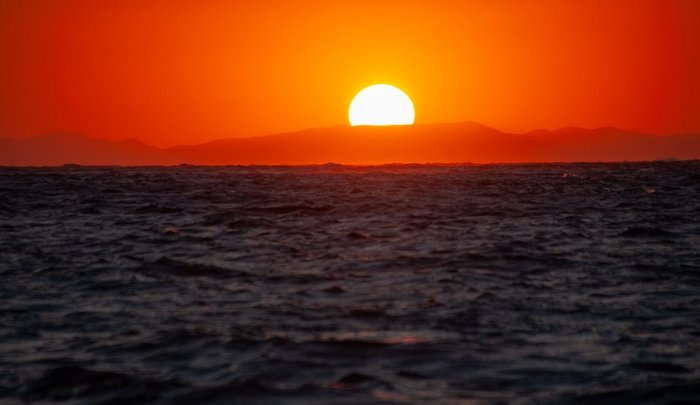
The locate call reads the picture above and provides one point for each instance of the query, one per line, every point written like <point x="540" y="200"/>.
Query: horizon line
<point x="348" y="165"/>
<point x="343" y="126"/>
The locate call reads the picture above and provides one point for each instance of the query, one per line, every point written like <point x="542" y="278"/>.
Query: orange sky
<point x="173" y="72"/>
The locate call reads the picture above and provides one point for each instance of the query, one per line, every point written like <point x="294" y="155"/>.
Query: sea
<point x="409" y="284"/>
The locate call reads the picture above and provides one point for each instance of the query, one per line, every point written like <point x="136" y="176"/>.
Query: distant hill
<point x="59" y="149"/>
<point x="429" y="143"/>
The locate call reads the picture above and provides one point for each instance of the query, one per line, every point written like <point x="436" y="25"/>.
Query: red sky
<point x="171" y="72"/>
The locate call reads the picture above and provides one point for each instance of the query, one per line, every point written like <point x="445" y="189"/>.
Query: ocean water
<point x="543" y="283"/>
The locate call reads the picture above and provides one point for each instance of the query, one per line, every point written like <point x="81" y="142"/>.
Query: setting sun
<point x="381" y="104"/>
<point x="234" y="201"/>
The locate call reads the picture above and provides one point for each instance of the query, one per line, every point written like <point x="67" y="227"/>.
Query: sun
<point x="381" y="104"/>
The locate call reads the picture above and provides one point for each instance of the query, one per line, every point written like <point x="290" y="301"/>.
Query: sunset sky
<point x="174" y="72"/>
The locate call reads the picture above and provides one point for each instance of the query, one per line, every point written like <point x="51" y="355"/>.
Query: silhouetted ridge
<point x="365" y="145"/>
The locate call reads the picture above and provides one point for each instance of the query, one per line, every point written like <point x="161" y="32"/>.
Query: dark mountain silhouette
<point x="430" y="143"/>
<point x="59" y="149"/>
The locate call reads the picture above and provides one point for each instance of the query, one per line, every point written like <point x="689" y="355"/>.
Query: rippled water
<point x="470" y="284"/>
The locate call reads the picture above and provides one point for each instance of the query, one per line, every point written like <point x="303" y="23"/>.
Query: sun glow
<point x="381" y="104"/>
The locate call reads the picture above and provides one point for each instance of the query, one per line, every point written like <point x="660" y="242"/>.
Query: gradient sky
<point x="171" y="72"/>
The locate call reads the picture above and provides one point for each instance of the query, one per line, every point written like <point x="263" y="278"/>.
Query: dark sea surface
<point x="556" y="283"/>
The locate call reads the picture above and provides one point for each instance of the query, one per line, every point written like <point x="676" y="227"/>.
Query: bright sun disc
<point x="381" y="104"/>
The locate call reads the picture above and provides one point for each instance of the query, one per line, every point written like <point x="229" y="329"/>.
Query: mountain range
<point x="425" y="143"/>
